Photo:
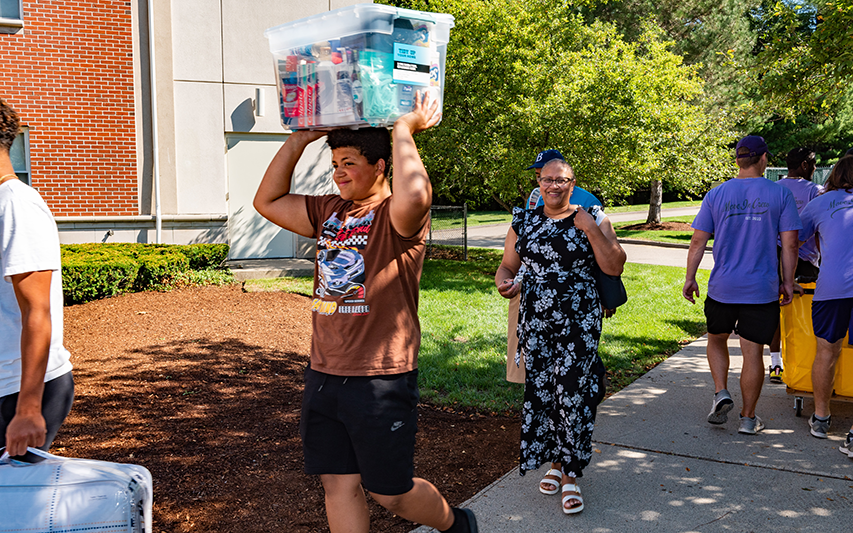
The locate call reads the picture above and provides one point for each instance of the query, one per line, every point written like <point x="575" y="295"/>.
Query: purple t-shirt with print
<point x="830" y="215"/>
<point x="804" y="191"/>
<point x="746" y="215"/>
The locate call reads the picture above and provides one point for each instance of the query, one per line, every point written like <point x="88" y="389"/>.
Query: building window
<point x="11" y="13"/>
<point x="20" y="154"/>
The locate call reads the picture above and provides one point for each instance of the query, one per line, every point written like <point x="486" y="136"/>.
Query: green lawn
<point x="645" y="208"/>
<point x="678" y="237"/>
<point x="464" y="322"/>
<point x="303" y="285"/>
<point x="464" y="329"/>
<point x="489" y="217"/>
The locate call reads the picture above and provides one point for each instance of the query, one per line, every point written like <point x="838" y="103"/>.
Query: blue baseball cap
<point x="545" y="156"/>
<point x="755" y="144"/>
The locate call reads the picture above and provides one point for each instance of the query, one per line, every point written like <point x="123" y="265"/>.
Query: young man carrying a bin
<point x="830" y="217"/>
<point x="36" y="386"/>
<point x="745" y="215"/>
<point x="359" y="409"/>
<point x="801" y="167"/>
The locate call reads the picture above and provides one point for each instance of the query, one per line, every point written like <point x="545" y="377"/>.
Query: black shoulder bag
<point x="611" y="290"/>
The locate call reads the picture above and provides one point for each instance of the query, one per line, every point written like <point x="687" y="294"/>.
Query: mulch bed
<point x="203" y="387"/>
<point x="663" y="226"/>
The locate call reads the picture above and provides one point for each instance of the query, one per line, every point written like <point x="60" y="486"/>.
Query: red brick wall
<point x="69" y="74"/>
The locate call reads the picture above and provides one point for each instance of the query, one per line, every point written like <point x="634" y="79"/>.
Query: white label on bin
<point x="411" y="64"/>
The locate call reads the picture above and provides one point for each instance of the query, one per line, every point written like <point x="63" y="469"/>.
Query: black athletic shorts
<point x="361" y="425"/>
<point x="753" y="322"/>
<point x="55" y="406"/>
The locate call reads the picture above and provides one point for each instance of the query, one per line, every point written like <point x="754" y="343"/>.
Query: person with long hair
<point x="830" y="217"/>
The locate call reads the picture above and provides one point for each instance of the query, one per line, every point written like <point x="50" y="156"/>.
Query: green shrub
<point x="204" y="256"/>
<point x="158" y="266"/>
<point x="98" y="270"/>
<point x="90" y="278"/>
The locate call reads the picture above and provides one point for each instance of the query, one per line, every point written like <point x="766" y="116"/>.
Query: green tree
<point x="704" y="32"/>
<point x="805" y="58"/>
<point x="828" y="132"/>
<point x="797" y="77"/>
<point x="525" y="76"/>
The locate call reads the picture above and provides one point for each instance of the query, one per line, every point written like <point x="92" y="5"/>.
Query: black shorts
<point x="361" y="425"/>
<point x="805" y="271"/>
<point x="55" y="406"/>
<point x="753" y="322"/>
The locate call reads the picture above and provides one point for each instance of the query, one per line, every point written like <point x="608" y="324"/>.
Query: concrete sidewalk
<point x="658" y="466"/>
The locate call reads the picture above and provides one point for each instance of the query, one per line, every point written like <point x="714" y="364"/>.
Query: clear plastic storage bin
<point x="358" y="66"/>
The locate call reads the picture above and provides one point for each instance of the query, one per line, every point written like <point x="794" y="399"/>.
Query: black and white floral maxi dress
<point x="559" y="326"/>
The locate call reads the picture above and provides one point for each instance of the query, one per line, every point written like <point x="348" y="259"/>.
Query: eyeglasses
<point x="559" y="182"/>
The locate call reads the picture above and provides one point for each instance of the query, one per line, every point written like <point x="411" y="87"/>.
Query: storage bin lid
<point x="351" y="20"/>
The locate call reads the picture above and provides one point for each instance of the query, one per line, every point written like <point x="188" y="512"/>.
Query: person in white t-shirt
<point x="36" y="385"/>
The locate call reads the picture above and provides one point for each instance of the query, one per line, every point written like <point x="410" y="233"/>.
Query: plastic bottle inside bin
<point x="326" y="93"/>
<point x="357" y="90"/>
<point x="343" y="88"/>
<point x="338" y="54"/>
<point x="334" y="90"/>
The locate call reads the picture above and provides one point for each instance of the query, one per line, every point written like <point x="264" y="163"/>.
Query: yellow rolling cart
<point x="798" y="353"/>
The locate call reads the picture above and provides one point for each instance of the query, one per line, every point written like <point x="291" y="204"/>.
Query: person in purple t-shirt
<point x="745" y="215"/>
<point x="801" y="167"/>
<point x="830" y="216"/>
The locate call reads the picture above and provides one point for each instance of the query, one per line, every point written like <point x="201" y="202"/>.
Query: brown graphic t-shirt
<point x="366" y="278"/>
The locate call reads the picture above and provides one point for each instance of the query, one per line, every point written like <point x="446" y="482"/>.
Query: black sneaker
<point x="464" y="521"/>
<point x="722" y="405"/>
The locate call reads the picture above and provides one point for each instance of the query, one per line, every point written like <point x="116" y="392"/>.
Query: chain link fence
<point x="448" y="226"/>
<point x="777" y="173"/>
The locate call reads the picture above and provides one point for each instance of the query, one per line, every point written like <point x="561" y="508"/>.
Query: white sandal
<point x="553" y="482"/>
<point x="571" y="487"/>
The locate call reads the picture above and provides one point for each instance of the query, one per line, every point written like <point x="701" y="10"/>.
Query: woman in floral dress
<point x="559" y="327"/>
